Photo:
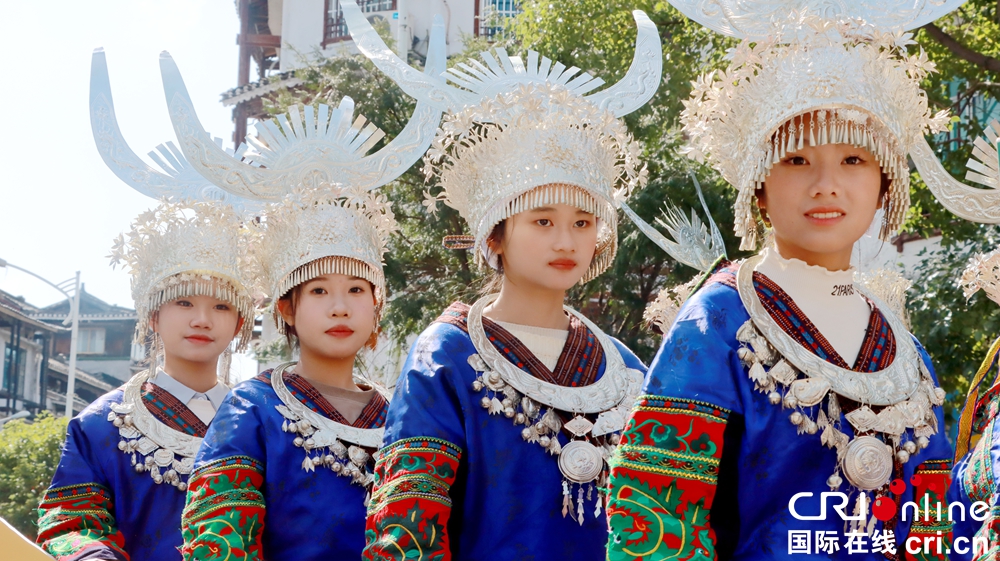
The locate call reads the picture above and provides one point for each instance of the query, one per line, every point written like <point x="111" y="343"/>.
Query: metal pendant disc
<point x="867" y="463"/>
<point x="580" y="461"/>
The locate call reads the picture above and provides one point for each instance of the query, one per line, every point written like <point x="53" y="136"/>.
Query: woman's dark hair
<point x="494" y="279"/>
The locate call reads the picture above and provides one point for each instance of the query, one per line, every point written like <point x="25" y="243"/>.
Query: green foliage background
<point x="598" y="36"/>
<point x="29" y="454"/>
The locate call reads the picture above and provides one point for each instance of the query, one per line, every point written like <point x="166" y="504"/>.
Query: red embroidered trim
<point x="579" y="362"/>
<point x="410" y="505"/>
<point x="877" y="351"/>
<point x="76" y="518"/>
<point x="663" y="480"/>
<point x="372" y="416"/>
<point x="930" y="483"/>
<point x="224" y="515"/>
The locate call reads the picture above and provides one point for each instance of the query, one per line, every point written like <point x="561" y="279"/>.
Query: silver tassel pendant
<point x="567" y="502"/>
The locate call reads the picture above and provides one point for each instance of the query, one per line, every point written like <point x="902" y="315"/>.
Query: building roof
<point x="92" y="308"/>
<point x="260" y="88"/>
<point x="15" y="308"/>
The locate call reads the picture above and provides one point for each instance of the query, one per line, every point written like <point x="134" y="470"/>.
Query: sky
<point x="60" y="206"/>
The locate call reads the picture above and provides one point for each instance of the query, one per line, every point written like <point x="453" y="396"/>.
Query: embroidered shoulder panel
<point x="78" y="518"/>
<point x="987" y="408"/>
<point x="578" y="365"/>
<point x="930" y="482"/>
<point x="224" y="515"/>
<point x="410" y="505"/>
<point x="663" y="480"/>
<point x="171" y="412"/>
<point x="978" y="482"/>
<point x="724" y="273"/>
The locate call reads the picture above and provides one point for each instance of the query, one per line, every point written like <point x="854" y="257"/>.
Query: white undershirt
<point x="826" y="297"/>
<point x="546" y="344"/>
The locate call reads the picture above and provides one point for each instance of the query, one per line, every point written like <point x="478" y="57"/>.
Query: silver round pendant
<point x="581" y="461"/>
<point x="867" y="463"/>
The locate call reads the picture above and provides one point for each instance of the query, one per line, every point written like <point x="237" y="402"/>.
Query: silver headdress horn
<point x="177" y="180"/>
<point x="964" y="201"/>
<point x="311" y="148"/>
<point x="755" y="19"/>
<point x="486" y="81"/>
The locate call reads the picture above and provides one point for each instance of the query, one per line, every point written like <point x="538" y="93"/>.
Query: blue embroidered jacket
<point x="98" y="506"/>
<point x="708" y="466"/>
<point x="250" y="496"/>
<point x="455" y="482"/>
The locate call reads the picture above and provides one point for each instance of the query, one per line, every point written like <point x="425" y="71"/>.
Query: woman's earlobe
<point x="239" y="325"/>
<point x="283" y="311"/>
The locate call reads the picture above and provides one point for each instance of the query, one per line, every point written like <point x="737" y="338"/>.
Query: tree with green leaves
<point x="29" y="454"/>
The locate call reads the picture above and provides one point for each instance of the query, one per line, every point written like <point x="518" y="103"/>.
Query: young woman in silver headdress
<point x="505" y="410"/>
<point x="119" y="488"/>
<point x="782" y="378"/>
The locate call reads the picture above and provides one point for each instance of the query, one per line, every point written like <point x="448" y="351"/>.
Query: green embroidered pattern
<point x="648" y="523"/>
<point x="224" y="515"/>
<point x="77" y="517"/>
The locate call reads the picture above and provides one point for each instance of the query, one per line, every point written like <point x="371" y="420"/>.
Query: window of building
<point x="335" y="29"/>
<point x="90" y="341"/>
<point x="492" y="16"/>
<point x="14" y="363"/>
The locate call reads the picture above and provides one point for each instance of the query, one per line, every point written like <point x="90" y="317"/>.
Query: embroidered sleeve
<point x="410" y="504"/>
<point x="76" y="518"/>
<point x="930" y="481"/>
<point x="663" y="479"/>
<point x="224" y="515"/>
<point x="75" y="522"/>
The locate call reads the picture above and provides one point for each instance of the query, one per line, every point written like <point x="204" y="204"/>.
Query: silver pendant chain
<point x="795" y="378"/>
<point x="541" y="406"/>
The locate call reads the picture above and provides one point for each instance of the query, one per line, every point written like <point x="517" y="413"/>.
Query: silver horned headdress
<point x="177" y="180"/>
<point x="185" y="248"/>
<point x="527" y="133"/>
<point x="317" y="231"/>
<point x="812" y="72"/>
<point x="308" y="147"/>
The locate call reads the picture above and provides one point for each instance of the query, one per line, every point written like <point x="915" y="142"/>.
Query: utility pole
<point x="75" y="330"/>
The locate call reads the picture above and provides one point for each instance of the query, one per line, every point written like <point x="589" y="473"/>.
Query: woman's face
<point x="549" y="247"/>
<point x="196" y="328"/>
<point x="334" y="315"/>
<point x="820" y="201"/>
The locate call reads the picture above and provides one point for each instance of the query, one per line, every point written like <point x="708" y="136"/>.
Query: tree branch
<point x="961" y="51"/>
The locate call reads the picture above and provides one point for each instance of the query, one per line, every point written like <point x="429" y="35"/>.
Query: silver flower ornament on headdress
<point x="317" y="231"/>
<point x="186" y="248"/>
<point x="983" y="273"/>
<point x="524" y="133"/>
<point x="811" y="73"/>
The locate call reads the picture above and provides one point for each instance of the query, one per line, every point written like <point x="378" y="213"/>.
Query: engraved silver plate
<point x="867" y="463"/>
<point x="581" y="462"/>
<point x="579" y="426"/>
